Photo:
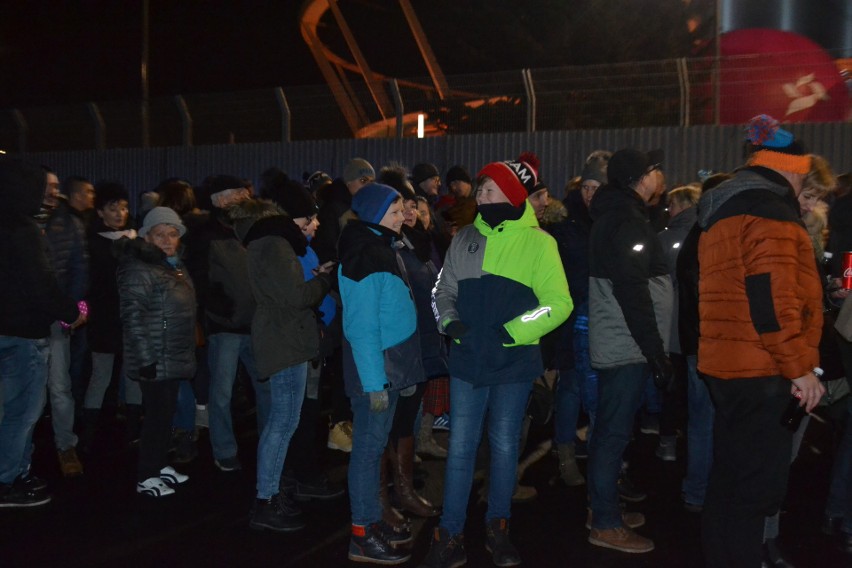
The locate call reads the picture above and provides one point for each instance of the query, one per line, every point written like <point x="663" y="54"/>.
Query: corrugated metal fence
<point x="688" y="150"/>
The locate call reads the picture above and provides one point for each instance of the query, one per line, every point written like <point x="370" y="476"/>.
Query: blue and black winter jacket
<point x="381" y="348"/>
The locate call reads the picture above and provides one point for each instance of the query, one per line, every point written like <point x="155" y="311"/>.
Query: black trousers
<point x="159" y="399"/>
<point x="407" y="408"/>
<point x="751" y="464"/>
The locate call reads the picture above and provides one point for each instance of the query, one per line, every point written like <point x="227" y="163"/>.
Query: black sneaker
<point x="626" y="490"/>
<point x="367" y="545"/>
<point x="15" y="496"/>
<point x="503" y="552"/>
<point x="320" y="488"/>
<point x="278" y="513"/>
<point x="394" y="536"/>
<point x="445" y="551"/>
<point x="30" y="482"/>
<point x="186" y="449"/>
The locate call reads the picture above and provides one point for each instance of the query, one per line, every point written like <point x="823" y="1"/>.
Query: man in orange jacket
<point x="760" y="309"/>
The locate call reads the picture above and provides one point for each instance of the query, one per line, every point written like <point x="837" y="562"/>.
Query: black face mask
<point x="495" y="213"/>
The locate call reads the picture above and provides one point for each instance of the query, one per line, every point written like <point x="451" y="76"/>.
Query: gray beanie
<point x="358" y="168"/>
<point x="161" y="216"/>
<point x="595" y="171"/>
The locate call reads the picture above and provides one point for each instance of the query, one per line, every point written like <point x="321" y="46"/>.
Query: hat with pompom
<point x="775" y="148"/>
<point x="515" y="178"/>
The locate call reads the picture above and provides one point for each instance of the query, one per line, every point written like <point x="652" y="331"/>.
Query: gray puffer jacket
<point x="157" y="306"/>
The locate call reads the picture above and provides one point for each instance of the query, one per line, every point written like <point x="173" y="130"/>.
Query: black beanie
<point x="296" y="200"/>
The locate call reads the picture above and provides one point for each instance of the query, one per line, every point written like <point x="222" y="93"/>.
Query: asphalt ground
<point x="99" y="520"/>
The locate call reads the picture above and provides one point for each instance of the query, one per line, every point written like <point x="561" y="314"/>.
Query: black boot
<point x="133" y="423"/>
<point x="278" y="513"/>
<point x="445" y="551"/>
<point x="186" y="449"/>
<point x="367" y="545"/>
<point x="503" y="552"/>
<point x="627" y="491"/>
<point x="88" y="426"/>
<point x="772" y="555"/>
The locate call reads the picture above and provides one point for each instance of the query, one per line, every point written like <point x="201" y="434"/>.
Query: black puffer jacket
<point x="157" y="305"/>
<point x="104" y="327"/>
<point x="30" y="298"/>
<point x="66" y="237"/>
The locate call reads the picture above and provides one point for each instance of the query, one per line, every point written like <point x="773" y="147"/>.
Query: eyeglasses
<point x="587" y="187"/>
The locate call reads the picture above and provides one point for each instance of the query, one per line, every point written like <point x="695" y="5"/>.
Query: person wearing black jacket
<point x="157" y="307"/>
<point x="104" y="325"/>
<point x="66" y="238"/>
<point x="630" y="304"/>
<point x="30" y="300"/>
<point x="217" y="262"/>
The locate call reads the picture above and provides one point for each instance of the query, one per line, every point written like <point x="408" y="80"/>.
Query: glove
<point x="662" y="371"/>
<point x="148" y="371"/>
<point x="504" y="336"/>
<point x="379" y="401"/>
<point x="456" y="329"/>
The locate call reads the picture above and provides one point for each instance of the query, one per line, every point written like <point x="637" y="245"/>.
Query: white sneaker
<point x="170" y="476"/>
<point x="154" y="487"/>
<point x="202" y="418"/>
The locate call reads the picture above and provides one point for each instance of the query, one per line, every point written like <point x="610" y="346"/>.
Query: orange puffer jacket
<point x="760" y="295"/>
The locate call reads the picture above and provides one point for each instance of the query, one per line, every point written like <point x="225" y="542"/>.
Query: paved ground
<point x="98" y="520"/>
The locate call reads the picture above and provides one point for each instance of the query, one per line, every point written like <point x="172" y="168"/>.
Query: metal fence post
<point x="100" y="126"/>
<point x="23" y="130"/>
<point x="185" y="120"/>
<point x="530" y="89"/>
<point x="285" y="114"/>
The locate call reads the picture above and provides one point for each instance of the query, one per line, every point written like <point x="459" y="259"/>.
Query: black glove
<point x="662" y="371"/>
<point x="504" y="337"/>
<point x="456" y="329"/>
<point x="148" y="371"/>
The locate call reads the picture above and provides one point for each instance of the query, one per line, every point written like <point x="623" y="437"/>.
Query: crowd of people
<point x="408" y="308"/>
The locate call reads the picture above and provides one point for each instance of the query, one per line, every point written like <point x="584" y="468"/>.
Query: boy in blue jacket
<point x="381" y="358"/>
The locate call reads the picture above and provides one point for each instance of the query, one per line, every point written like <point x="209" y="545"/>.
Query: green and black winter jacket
<point x="507" y="285"/>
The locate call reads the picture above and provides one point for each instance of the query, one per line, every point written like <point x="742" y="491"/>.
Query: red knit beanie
<point x="515" y="179"/>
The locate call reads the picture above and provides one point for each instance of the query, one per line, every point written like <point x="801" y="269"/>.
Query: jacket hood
<point x="124" y="249"/>
<point x="683" y="220"/>
<point x="527" y="220"/>
<point x="611" y="198"/>
<point x="357" y="235"/>
<point x="746" y="179"/>
<point x="21" y="187"/>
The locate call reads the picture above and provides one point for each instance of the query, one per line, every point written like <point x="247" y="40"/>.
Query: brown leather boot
<point x="403" y="481"/>
<point x="390" y="515"/>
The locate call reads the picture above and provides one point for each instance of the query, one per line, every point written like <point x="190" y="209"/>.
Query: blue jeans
<point x="184" y="418"/>
<point x="620" y="394"/>
<point x="59" y="387"/>
<point x="840" y="490"/>
<point x="504" y="407"/>
<point x="225" y="351"/>
<point x="23" y="373"/>
<point x="567" y="406"/>
<point x="287" y="391"/>
<point x="699" y="436"/>
<point x="653" y="398"/>
<point x="369" y="437"/>
<point x="586" y="376"/>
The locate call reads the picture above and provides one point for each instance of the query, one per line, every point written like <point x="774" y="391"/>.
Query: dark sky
<point x="70" y="51"/>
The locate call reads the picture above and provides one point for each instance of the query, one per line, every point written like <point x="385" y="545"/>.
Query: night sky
<point x="53" y="51"/>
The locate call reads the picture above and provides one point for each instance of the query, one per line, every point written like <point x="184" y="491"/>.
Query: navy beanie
<point x="372" y="202"/>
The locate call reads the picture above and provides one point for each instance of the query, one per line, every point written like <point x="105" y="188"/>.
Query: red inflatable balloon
<point x="779" y="73"/>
